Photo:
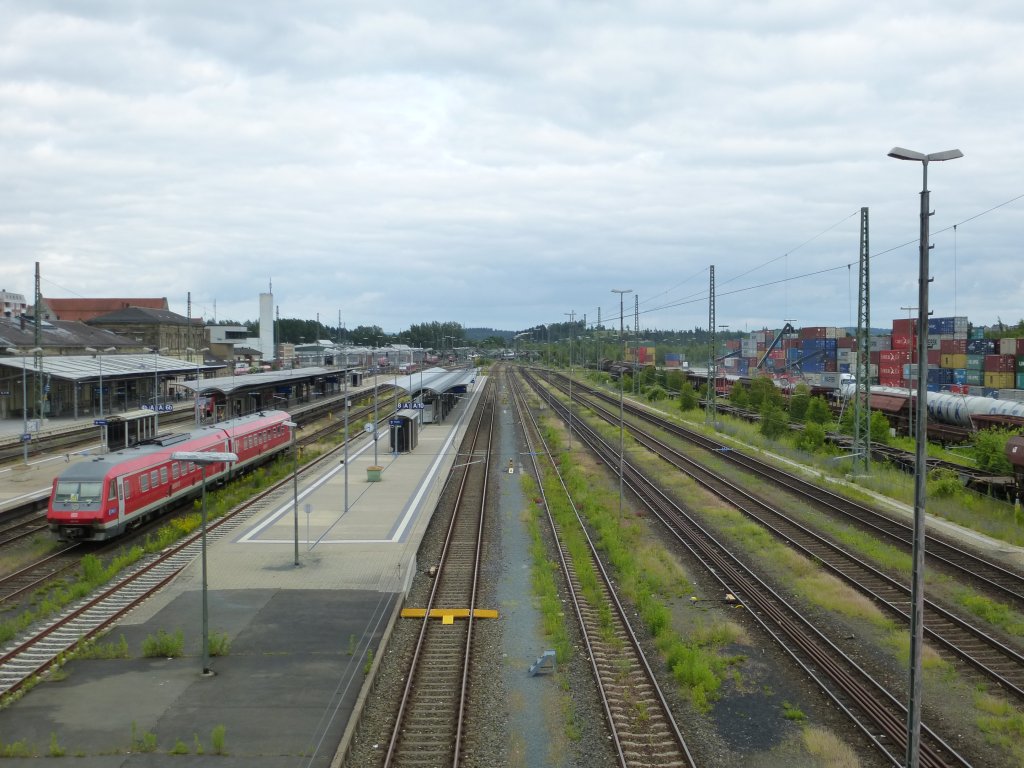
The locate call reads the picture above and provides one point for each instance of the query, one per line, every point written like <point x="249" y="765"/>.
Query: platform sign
<point x="395" y="422"/>
<point x="410" y="406"/>
<point x="26" y="437"/>
<point x="99" y="422"/>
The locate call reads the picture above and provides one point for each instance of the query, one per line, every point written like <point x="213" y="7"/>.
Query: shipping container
<point x="954" y="346"/>
<point x="878" y="343"/>
<point x="673" y="360"/>
<point x="974" y="378"/>
<point x="904" y="341"/>
<point x="1017" y="395"/>
<point x="891" y="381"/>
<point x="1000" y="364"/>
<point x="846" y="342"/>
<point x="959" y="376"/>
<point x="894" y="356"/>
<point x="845" y="368"/>
<point x="953" y="361"/>
<point x="1008" y="346"/>
<point x="1020" y="363"/>
<point x="947" y="325"/>
<point x="975" y="363"/>
<point x="904" y="327"/>
<point x="815" y="332"/>
<point x="1020" y="381"/>
<point x="981" y="347"/>
<point x="934" y="357"/>
<point x="999" y="380"/>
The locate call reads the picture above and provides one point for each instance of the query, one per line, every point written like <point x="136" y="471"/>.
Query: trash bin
<point x="373" y="474"/>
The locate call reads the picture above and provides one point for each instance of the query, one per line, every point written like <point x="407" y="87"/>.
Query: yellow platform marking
<point x="449" y="614"/>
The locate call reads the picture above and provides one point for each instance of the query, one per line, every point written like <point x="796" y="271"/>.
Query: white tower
<point x="267" y="326"/>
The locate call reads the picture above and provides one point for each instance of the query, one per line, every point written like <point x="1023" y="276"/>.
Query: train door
<point x="122" y="497"/>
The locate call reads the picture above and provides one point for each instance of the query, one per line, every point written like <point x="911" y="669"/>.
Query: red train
<point x="102" y="498"/>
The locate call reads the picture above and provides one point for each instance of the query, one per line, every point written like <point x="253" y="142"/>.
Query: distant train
<point x="101" y="499"/>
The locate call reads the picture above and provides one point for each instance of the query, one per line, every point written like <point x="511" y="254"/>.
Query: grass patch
<point x="164" y="645"/>
<point x="793" y="713"/>
<point x="219" y="644"/>
<point x="829" y="748"/>
<point x="992" y="611"/>
<point x="96" y="649"/>
<point x="1001" y="722"/>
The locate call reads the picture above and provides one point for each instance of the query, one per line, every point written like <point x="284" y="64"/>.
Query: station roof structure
<point x="436" y="380"/>
<point x="87" y="367"/>
<point x="228" y="385"/>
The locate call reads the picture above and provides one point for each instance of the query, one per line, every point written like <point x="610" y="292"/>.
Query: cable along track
<point x="874" y="710"/>
<point x="429" y="725"/>
<point x="643" y="729"/>
<point x="958" y="637"/>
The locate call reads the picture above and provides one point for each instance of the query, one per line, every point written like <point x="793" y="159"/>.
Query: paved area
<point x="301" y="636"/>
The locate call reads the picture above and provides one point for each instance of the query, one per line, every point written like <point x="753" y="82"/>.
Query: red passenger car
<point x="102" y="498"/>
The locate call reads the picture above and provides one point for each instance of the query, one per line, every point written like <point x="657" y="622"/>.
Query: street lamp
<point x="202" y="357"/>
<point x="622" y="336"/>
<point x="920" y="468"/>
<point x="295" y="483"/>
<point x="157" y="351"/>
<point x="103" y="427"/>
<point x="204" y="458"/>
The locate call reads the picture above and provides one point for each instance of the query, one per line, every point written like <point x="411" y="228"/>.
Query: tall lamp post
<point x="622" y="336"/>
<point x="295" y="484"/>
<point x="25" y="437"/>
<point x="920" y="470"/>
<point x="157" y="351"/>
<point x="204" y="459"/>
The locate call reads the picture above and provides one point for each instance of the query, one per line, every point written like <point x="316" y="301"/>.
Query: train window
<point x="174" y="470"/>
<point x="163" y="475"/>
<point x="78" y="492"/>
<point x="112" y="493"/>
<point x="154" y="478"/>
<point x="191" y="467"/>
<point x="127" y="485"/>
<point x="143" y="482"/>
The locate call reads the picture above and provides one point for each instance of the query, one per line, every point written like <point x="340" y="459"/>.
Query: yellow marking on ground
<point x="449" y="614"/>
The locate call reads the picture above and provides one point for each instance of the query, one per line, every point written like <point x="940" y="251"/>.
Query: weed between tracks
<point x="646" y="575"/>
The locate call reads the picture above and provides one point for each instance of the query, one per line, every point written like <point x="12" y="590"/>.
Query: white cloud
<point x="503" y="166"/>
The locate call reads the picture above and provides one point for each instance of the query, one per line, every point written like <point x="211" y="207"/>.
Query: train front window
<point x="77" y="492"/>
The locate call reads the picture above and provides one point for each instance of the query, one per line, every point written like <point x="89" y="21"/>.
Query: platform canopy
<point x="79" y="368"/>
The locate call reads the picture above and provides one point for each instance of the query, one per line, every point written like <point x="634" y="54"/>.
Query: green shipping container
<point x="1020" y="381"/>
<point x="1020" y="363"/>
<point x="975" y="362"/>
<point x="975" y="378"/>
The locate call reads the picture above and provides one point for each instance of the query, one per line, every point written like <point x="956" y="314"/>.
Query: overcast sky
<point x="503" y="164"/>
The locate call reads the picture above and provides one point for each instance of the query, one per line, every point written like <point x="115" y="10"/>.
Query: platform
<point x="301" y="636"/>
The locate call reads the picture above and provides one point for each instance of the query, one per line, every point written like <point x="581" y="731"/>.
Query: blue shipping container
<point x="959" y="376"/>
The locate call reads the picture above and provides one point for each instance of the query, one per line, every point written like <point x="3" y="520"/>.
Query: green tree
<point x="811" y="438"/>
<point x="773" y="421"/>
<point x="738" y="396"/>
<point x="656" y="393"/>
<point x="880" y="428"/>
<point x="763" y="390"/>
<point x="817" y="411"/>
<point x="688" y="399"/>
<point x="990" y="450"/>
<point x="798" y="402"/>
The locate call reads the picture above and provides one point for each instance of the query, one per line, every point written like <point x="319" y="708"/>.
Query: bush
<point x="688" y="399"/>
<point x="818" y="411"/>
<point x="811" y="438"/>
<point x="164" y="645"/>
<point x="773" y="422"/>
<point x="656" y="393"/>
<point x="990" y="450"/>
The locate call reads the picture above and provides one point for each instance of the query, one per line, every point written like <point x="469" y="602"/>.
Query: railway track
<point x="867" y="702"/>
<point x="940" y="554"/>
<point x="957" y="636"/>
<point x="429" y="725"/>
<point x="643" y="729"/>
<point x="39" y="647"/>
